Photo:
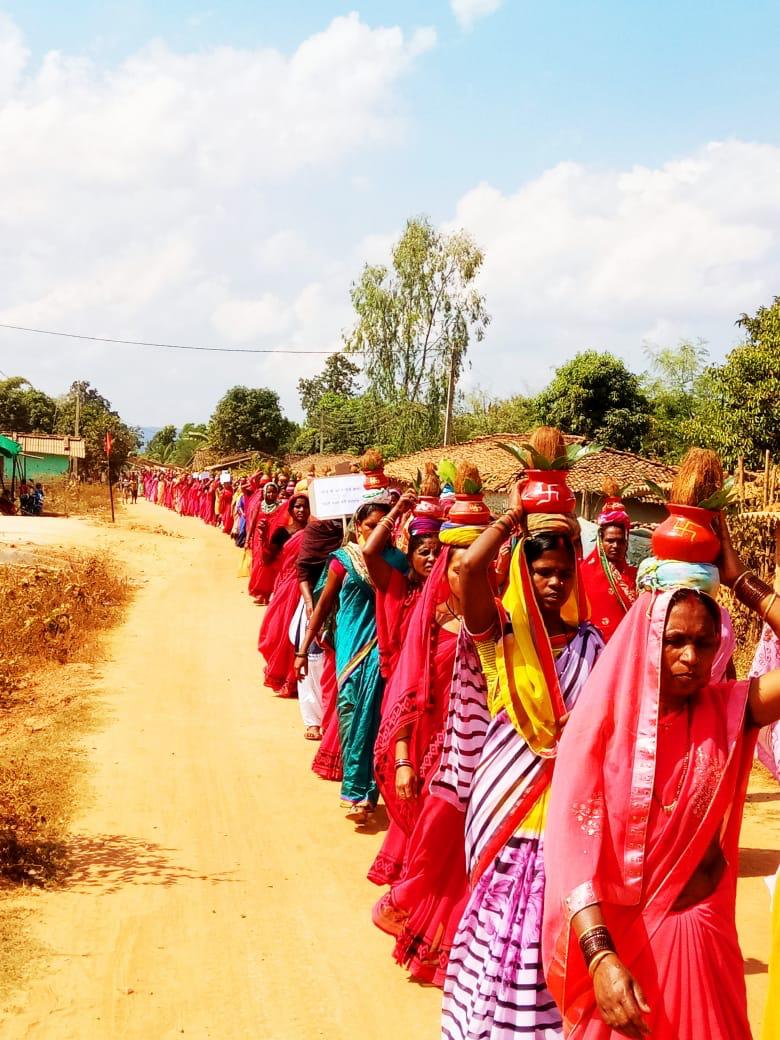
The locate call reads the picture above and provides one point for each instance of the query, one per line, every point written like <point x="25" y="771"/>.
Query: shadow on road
<point x="109" y="861"/>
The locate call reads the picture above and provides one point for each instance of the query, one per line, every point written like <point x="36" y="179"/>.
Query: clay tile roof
<point x="498" y="468"/>
<point x="322" y="463"/>
<point x="629" y="470"/>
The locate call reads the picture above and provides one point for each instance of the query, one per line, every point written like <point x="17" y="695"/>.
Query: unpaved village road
<point x="217" y="892"/>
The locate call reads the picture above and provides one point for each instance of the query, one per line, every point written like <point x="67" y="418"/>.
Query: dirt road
<point x="217" y="891"/>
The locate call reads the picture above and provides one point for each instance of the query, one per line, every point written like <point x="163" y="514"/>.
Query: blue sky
<point x="617" y="158"/>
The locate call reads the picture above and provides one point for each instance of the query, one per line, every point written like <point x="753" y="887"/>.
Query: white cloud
<point x="172" y="197"/>
<point x="467" y="12"/>
<point x="156" y="199"/>
<point x="583" y="257"/>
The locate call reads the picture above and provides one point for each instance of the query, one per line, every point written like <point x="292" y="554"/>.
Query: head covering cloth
<point x="598" y="818"/>
<point x="528" y="687"/>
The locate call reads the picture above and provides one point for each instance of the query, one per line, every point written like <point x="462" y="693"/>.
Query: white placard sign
<point x="333" y="497"/>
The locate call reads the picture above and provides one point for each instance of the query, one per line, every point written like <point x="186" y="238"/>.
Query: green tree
<point x="162" y="443"/>
<point x="96" y="419"/>
<point x="416" y="320"/>
<point x="249" y="419"/>
<point x="23" y="409"/>
<point x="744" y="393"/>
<point x="480" y="414"/>
<point x="596" y="396"/>
<point x="192" y="437"/>
<point x="339" y="376"/>
<point x="679" y="392"/>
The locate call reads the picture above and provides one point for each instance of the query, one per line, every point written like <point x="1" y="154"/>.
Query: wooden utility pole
<point x="74" y="459"/>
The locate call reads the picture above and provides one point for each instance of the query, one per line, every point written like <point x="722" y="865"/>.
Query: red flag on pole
<point x="109" y="443"/>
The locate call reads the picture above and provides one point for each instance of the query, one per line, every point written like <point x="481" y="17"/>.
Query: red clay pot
<point x="375" y="479"/>
<point x="428" y="505"/>
<point x="686" y="534"/>
<point x="546" y="491"/>
<point x="469" y="509"/>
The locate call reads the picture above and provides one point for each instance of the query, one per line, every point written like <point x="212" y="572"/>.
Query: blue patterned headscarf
<point x="656" y="575"/>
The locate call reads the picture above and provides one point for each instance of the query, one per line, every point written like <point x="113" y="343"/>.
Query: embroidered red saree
<point x="423" y="854"/>
<point x="610" y="591"/>
<point x="607" y="841"/>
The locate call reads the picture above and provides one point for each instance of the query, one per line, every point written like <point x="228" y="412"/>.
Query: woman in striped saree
<point x="536" y="653"/>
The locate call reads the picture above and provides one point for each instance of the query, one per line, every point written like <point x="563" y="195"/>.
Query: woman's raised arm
<point x="755" y="594"/>
<point x="378" y="568"/>
<point x="476" y="592"/>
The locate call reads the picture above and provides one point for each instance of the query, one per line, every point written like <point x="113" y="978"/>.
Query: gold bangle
<point x="589" y="931"/>
<point x="738" y="579"/>
<point x="599" y="957"/>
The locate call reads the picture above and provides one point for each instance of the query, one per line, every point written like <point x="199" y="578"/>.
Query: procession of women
<point x="560" y="740"/>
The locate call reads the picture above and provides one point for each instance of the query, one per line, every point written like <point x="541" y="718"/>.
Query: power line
<point x="163" y="346"/>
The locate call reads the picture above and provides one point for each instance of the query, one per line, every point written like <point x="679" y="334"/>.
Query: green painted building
<point x="46" y="455"/>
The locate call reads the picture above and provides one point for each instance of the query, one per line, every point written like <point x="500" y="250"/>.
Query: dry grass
<point x="73" y="498"/>
<point x="52" y="616"/>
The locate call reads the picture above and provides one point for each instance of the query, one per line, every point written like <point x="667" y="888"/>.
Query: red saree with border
<point x="610" y="592"/>
<point x="607" y="841"/>
<point x="274" y="641"/>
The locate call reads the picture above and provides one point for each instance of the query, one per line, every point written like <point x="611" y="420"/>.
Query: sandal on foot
<point x="357" y="812"/>
<point x="312" y="733"/>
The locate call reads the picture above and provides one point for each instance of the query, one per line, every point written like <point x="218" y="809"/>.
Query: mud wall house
<point x="44" y="455"/>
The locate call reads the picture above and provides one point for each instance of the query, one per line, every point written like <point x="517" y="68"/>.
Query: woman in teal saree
<point x="348" y="589"/>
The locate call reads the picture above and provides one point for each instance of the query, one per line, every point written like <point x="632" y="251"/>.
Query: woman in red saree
<point x="225" y="508"/>
<point x="429" y="884"/>
<point x="608" y="580"/>
<point x="397" y="591"/>
<point x="397" y="595"/>
<point x="642" y="833"/>
<point x="274" y="643"/>
<point x="264" y="569"/>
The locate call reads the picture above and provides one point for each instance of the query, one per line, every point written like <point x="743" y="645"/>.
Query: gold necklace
<point x="669" y="809"/>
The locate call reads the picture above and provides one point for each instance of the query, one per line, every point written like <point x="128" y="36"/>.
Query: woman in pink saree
<point x="639" y="934"/>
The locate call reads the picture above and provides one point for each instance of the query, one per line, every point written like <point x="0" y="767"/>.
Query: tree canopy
<point x="23" y="409"/>
<point x="96" y="419"/>
<point x="249" y="419"/>
<point x="339" y="377"/>
<point x="745" y="392"/>
<point x="415" y="322"/>
<point x="595" y="395"/>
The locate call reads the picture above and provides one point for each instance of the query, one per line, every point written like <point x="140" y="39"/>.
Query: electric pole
<point x="75" y="459"/>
